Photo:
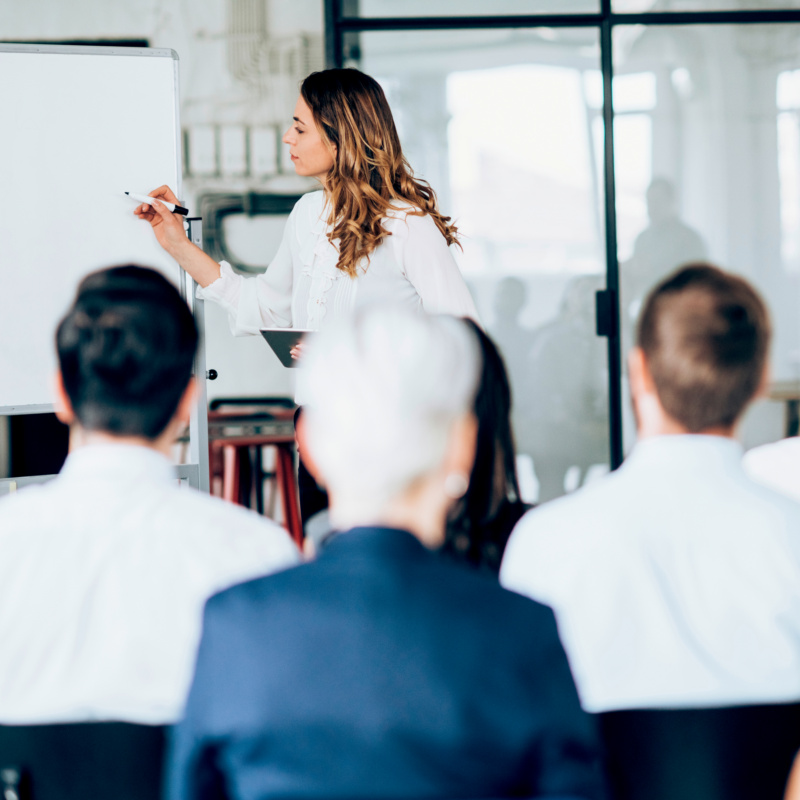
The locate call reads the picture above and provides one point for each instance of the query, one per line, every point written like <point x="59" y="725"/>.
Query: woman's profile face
<point x="310" y="154"/>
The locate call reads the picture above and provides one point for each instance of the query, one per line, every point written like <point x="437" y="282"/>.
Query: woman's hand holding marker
<point x="145" y="198"/>
<point x="169" y="231"/>
<point x="167" y="227"/>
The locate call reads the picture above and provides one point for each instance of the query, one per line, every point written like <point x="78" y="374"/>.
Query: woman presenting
<point x="373" y="234"/>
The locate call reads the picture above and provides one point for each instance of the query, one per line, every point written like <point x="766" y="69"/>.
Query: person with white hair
<point x="382" y="669"/>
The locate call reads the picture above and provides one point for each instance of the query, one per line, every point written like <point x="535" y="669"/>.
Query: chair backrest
<point x="82" y="761"/>
<point x="732" y="753"/>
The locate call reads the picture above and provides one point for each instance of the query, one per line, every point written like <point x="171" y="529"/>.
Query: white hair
<point x="384" y="391"/>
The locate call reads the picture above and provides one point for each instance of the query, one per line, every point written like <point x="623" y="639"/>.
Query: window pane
<point x="636" y="6"/>
<point x="466" y="8"/>
<point x="501" y="123"/>
<point x="708" y="167"/>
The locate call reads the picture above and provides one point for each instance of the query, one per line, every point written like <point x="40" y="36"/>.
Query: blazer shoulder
<point x="256" y="591"/>
<point x="493" y="601"/>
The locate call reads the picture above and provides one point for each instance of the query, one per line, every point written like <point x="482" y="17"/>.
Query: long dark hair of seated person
<point x="481" y="521"/>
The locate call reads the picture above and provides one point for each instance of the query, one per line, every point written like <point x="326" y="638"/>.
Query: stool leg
<point x="230" y="473"/>
<point x="216" y="469"/>
<point x="258" y="477"/>
<point x="245" y="497"/>
<point x="284" y="468"/>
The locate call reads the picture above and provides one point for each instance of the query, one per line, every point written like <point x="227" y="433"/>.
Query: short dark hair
<point x="126" y="348"/>
<point x="705" y="336"/>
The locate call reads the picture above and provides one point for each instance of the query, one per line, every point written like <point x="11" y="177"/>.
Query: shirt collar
<point x="687" y="452"/>
<point x="118" y="462"/>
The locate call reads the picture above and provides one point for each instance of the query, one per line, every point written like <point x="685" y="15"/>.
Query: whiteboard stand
<point x="196" y="472"/>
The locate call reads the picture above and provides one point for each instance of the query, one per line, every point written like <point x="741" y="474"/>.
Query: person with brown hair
<point x="373" y="234"/>
<point x="676" y="579"/>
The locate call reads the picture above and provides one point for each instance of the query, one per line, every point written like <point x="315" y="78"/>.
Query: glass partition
<point x="504" y="125"/>
<point x="507" y="124"/>
<point x="707" y="151"/>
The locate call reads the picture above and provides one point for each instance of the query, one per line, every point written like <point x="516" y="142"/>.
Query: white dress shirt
<point x="104" y="573"/>
<point x="776" y="465"/>
<point x="302" y="288"/>
<point x="675" y="580"/>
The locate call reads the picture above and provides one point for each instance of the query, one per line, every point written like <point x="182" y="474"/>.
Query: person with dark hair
<point x="104" y="570"/>
<point x="481" y="521"/>
<point x="676" y="579"/>
<point x="374" y="234"/>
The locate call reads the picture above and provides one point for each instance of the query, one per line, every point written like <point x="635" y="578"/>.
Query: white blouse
<point x="302" y="288"/>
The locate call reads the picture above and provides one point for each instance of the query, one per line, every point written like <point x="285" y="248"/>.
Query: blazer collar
<point x="376" y="542"/>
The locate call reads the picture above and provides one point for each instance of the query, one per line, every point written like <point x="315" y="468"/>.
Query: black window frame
<point x="341" y="18"/>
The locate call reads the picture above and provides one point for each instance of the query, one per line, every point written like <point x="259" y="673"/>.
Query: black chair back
<point x="81" y="761"/>
<point x="733" y="753"/>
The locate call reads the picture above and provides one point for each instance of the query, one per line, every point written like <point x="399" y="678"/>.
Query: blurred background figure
<point x="514" y="340"/>
<point x="666" y="243"/>
<point x="565" y="415"/>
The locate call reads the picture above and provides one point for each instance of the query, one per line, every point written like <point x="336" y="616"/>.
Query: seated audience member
<point x="104" y="571"/>
<point x="676" y="579"/>
<point x="776" y="465"/>
<point x="480" y="522"/>
<point x="383" y="669"/>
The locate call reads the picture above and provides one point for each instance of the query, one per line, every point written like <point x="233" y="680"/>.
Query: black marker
<point x="143" y="198"/>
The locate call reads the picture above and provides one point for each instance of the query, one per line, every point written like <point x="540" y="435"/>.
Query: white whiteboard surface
<point x="79" y="127"/>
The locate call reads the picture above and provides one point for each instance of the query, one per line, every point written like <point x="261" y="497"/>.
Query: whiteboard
<point x="80" y="126"/>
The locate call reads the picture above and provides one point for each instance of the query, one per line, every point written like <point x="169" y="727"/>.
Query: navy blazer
<point x="381" y="670"/>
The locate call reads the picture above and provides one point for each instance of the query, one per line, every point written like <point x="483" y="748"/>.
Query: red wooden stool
<point x="236" y="438"/>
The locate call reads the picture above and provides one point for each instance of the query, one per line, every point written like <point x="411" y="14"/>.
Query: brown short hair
<point x="705" y="336"/>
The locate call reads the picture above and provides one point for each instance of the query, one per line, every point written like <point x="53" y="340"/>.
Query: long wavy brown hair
<point x="370" y="174"/>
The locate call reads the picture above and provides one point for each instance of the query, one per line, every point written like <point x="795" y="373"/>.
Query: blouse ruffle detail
<point x="318" y="257"/>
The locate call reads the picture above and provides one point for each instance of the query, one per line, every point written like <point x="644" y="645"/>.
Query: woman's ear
<point x="463" y="442"/>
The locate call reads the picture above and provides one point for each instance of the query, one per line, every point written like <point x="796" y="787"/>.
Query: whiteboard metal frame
<point x="90" y="50"/>
<point x="196" y="472"/>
